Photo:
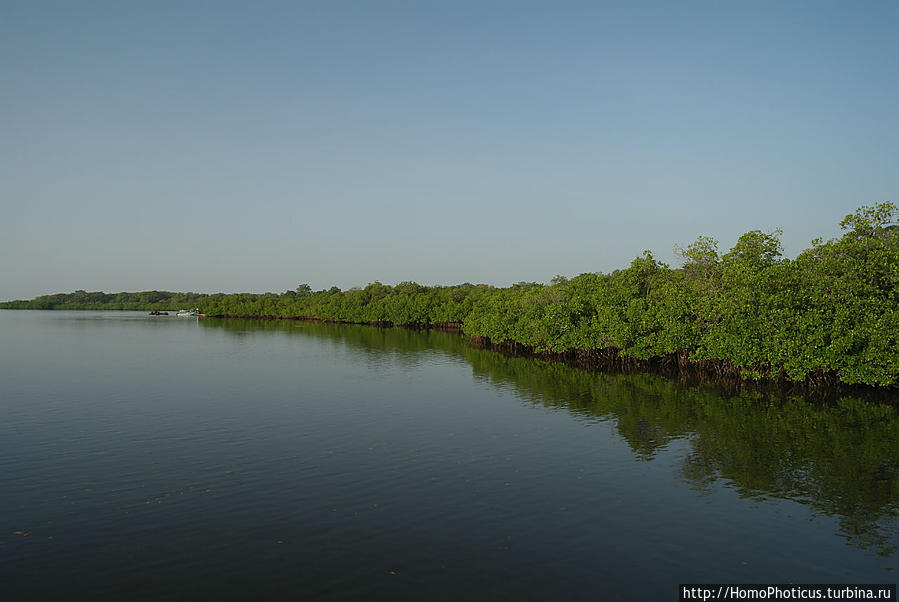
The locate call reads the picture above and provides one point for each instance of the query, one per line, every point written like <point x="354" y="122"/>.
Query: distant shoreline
<point x="827" y="318"/>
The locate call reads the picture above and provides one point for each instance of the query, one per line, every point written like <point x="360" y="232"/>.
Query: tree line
<point x="833" y="310"/>
<point x="80" y="299"/>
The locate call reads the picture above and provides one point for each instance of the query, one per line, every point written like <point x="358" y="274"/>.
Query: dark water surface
<point x="166" y="458"/>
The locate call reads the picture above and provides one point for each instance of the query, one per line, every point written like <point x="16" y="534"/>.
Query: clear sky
<point x="251" y="146"/>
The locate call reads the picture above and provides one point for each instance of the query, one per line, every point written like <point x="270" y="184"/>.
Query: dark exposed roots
<point x="823" y="386"/>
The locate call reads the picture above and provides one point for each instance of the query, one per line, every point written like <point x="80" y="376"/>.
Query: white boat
<point x="187" y="313"/>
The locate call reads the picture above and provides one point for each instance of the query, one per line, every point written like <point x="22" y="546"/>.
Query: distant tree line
<point x="832" y="310"/>
<point x="80" y="299"/>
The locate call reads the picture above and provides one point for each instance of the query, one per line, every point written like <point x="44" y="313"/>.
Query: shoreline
<point x="817" y="386"/>
<point x="677" y="366"/>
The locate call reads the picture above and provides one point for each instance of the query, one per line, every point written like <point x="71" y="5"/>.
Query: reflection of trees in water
<point x="841" y="458"/>
<point x="394" y="346"/>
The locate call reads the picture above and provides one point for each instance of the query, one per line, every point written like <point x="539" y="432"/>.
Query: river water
<point x="174" y="458"/>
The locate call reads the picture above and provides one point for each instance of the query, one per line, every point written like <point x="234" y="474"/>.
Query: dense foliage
<point x="833" y="309"/>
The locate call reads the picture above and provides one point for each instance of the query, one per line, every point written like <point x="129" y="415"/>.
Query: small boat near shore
<point x="188" y="313"/>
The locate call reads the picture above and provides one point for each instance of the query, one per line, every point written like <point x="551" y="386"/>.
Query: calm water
<point x="166" y="458"/>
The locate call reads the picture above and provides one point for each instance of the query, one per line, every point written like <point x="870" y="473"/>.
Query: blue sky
<point x="251" y="146"/>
